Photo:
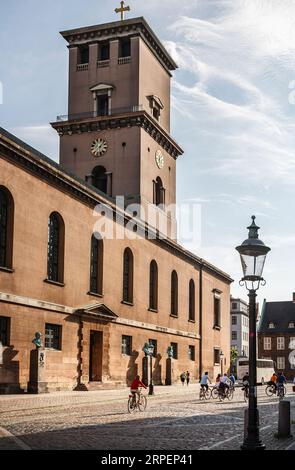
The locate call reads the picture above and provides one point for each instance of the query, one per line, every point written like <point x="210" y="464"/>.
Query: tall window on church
<point x="83" y="55"/>
<point x="55" y="256"/>
<point x="128" y="276"/>
<point x="192" y="306"/>
<point x="6" y="228"/>
<point x="174" y="294"/>
<point x="125" y="47"/>
<point x="159" y="192"/>
<point x="153" y="285"/>
<point x="100" y="179"/>
<point x="96" y="265"/>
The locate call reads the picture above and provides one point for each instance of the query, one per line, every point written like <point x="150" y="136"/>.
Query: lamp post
<point x="253" y="254"/>
<point x="221" y="355"/>
<point x="151" y="352"/>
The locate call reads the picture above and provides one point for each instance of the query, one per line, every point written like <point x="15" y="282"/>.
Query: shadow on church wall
<point x="132" y="368"/>
<point x="9" y="371"/>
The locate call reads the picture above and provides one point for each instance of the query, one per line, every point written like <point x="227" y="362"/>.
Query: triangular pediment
<point x="100" y="311"/>
<point x="101" y="86"/>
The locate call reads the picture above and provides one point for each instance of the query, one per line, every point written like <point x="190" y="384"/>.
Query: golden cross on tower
<point x="122" y="10"/>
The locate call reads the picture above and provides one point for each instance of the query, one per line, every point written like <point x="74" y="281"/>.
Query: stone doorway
<point x="95" y="356"/>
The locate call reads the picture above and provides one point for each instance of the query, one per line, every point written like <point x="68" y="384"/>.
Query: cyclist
<point x="281" y="380"/>
<point x="246" y="382"/>
<point x="217" y="380"/>
<point x="232" y="379"/>
<point x="204" y="381"/>
<point x="273" y="381"/>
<point x="224" y="383"/>
<point x="135" y="385"/>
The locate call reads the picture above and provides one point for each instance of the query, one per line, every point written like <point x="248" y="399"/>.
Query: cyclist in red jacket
<point x="135" y="385"/>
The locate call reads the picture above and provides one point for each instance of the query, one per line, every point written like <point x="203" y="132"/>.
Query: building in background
<point x="239" y="326"/>
<point x="276" y="335"/>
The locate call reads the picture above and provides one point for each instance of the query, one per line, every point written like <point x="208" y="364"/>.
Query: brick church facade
<point x="97" y="300"/>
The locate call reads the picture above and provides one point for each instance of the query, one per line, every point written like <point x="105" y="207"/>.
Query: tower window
<point x="102" y="105"/>
<point x="55" y="256"/>
<point x="104" y="51"/>
<point x="100" y="179"/>
<point x="4" y="330"/>
<point x="159" y="192"/>
<point x="83" y="56"/>
<point x="125" y="47"/>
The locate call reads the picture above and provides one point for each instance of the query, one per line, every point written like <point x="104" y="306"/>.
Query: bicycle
<point x="204" y="393"/>
<point x="214" y="392"/>
<point x="281" y="391"/>
<point x="226" y="392"/>
<point x="270" y="390"/>
<point x="136" y="404"/>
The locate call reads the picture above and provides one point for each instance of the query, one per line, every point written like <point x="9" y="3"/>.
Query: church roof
<point x="130" y="27"/>
<point x="281" y="314"/>
<point x="41" y="166"/>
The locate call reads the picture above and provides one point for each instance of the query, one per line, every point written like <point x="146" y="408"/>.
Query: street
<point x="175" y="419"/>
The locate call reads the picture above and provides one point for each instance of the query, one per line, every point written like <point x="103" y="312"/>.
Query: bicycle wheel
<point x="269" y="390"/>
<point x="230" y="394"/>
<point x="214" y="393"/>
<point x="207" y="395"/>
<point x="142" y="403"/>
<point x="131" y="405"/>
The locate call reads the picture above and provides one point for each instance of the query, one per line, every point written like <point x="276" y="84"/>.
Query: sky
<point x="233" y="110"/>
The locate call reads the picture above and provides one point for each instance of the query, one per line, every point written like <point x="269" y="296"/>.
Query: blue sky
<point x="232" y="109"/>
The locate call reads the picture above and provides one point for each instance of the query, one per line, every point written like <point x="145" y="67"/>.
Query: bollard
<point x="284" y="427"/>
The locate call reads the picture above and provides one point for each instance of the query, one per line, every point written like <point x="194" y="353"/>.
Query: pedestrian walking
<point x="188" y="377"/>
<point x="182" y="378"/>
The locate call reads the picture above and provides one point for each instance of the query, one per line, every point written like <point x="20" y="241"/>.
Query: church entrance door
<point x="95" y="357"/>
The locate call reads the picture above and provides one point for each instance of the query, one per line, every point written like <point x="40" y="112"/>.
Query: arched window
<point x="153" y="285"/>
<point x="174" y="293"/>
<point x="159" y="192"/>
<point x="192" y="305"/>
<point x="100" y="179"/>
<point x="128" y="276"/>
<point x="55" y="256"/>
<point x="96" y="265"/>
<point x="6" y="228"/>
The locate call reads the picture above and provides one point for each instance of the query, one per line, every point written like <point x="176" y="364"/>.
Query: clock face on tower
<point x="160" y="159"/>
<point x="99" y="147"/>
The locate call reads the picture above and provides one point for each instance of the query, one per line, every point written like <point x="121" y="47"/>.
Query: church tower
<point x="116" y="135"/>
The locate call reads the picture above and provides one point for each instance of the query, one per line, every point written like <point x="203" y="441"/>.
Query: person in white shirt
<point x="204" y="381"/>
<point x="224" y="382"/>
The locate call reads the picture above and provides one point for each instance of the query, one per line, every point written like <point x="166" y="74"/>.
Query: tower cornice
<point x="134" y="26"/>
<point x="135" y="119"/>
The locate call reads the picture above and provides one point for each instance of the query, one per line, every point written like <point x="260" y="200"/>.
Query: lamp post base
<point x="151" y="389"/>
<point x="249" y="444"/>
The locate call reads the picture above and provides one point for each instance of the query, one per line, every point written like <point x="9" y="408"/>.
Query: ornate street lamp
<point x="253" y="254"/>
<point x="151" y="348"/>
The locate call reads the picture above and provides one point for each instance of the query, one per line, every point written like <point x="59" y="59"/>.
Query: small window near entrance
<point x="4" y="330"/>
<point x="104" y="51"/>
<point x="126" y="345"/>
<point x="53" y="336"/>
<point x="175" y="350"/>
<point x="125" y="47"/>
<point x="154" y="342"/>
<point x="191" y="353"/>
<point x="217" y="356"/>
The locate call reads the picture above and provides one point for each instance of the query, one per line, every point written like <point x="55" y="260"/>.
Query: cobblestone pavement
<point x="175" y="419"/>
